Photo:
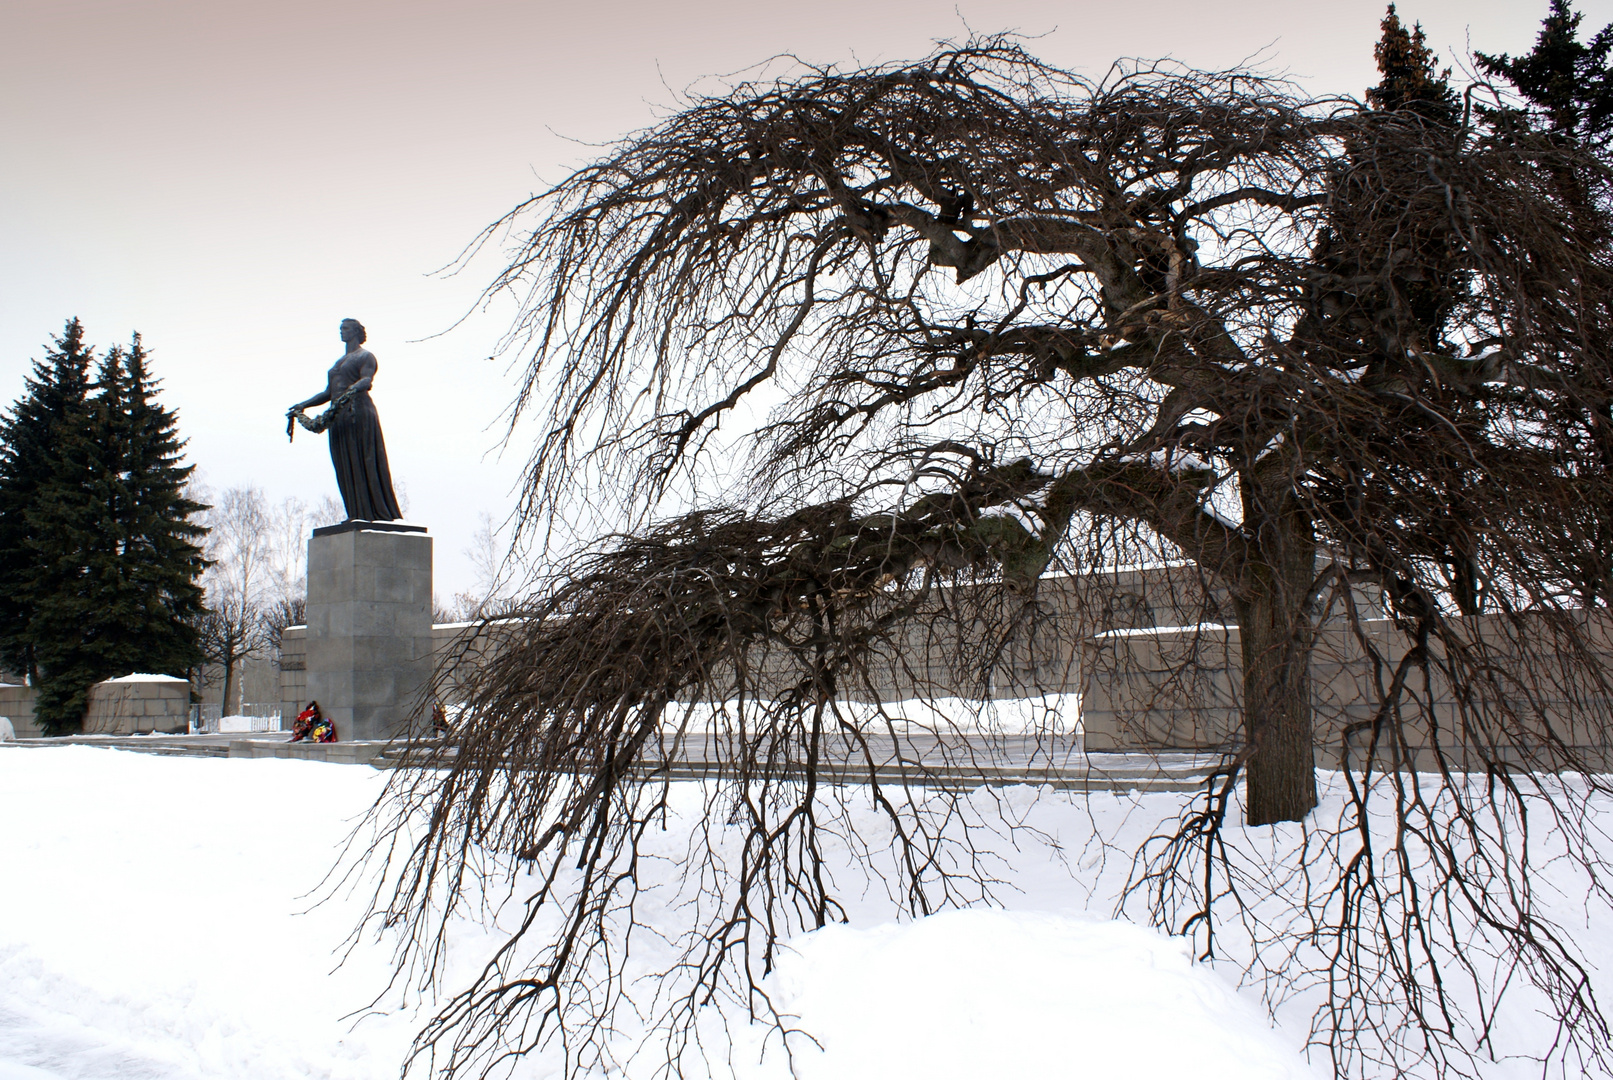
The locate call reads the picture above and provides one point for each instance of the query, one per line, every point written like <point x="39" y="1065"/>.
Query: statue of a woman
<point x="356" y="447"/>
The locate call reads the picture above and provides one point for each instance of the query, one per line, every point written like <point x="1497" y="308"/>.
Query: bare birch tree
<point x="238" y="552"/>
<point x="290" y="524"/>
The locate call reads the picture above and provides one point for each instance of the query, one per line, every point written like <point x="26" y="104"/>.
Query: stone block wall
<point x="944" y="657"/>
<point x="138" y="703"/>
<point x="1165" y="673"/>
<point x="988" y="643"/>
<point x="1181" y="688"/>
<point x="457" y="648"/>
<point x="1161" y="687"/>
<point x="17" y="702"/>
<point x="132" y="705"/>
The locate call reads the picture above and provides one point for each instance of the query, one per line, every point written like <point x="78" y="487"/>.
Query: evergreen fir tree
<point x="1407" y="283"/>
<point x="56" y="398"/>
<point x="66" y="546"/>
<point x="1410" y="81"/>
<point x="1566" y="87"/>
<point x="1567" y="82"/>
<point x="154" y="591"/>
<point x="1426" y="278"/>
<point x="99" y="560"/>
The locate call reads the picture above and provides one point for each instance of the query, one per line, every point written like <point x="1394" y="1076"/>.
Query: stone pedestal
<point x="369" y="626"/>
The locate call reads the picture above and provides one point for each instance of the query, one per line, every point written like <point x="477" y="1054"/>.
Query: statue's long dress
<point x="359" y="453"/>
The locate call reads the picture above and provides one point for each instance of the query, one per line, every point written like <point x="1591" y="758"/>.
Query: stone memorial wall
<point x="1154" y="669"/>
<point x="132" y="705"/>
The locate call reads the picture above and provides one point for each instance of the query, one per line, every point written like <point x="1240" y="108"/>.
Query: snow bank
<point x="965" y="995"/>
<point x="157" y="920"/>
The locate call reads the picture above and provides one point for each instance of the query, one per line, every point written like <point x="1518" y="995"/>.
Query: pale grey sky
<point x="232" y="179"/>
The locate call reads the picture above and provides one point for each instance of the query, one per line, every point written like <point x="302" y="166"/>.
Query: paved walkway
<point x="918" y="759"/>
<point x="185" y="745"/>
<point x="223" y="744"/>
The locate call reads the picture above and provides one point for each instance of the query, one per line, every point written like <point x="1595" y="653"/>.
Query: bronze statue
<point x="356" y="447"/>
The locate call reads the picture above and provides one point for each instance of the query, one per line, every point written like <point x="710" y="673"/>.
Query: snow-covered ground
<point x="158" y="919"/>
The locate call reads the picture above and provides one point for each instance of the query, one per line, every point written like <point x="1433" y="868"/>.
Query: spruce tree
<point x="67" y="538"/>
<point x="1566" y="92"/>
<point x="1405" y="286"/>
<point x="55" y="399"/>
<point x="1410" y="80"/>
<point x="155" y="591"/>
<point x="1567" y="82"/>
<point x="1565" y="87"/>
<point x="1410" y="90"/>
<point x="99" y="558"/>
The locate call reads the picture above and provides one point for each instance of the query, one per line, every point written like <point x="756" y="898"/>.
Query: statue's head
<point x="353" y="331"/>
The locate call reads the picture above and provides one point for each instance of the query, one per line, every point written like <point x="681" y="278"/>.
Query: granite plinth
<point x="369" y="645"/>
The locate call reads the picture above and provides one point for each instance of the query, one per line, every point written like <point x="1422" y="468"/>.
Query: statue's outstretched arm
<point x="318" y="399"/>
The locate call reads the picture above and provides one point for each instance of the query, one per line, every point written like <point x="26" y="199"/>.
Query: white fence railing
<point x="254" y="717"/>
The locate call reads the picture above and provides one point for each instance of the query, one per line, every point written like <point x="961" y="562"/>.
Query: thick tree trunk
<point x="229" y="680"/>
<point x="1277" y="636"/>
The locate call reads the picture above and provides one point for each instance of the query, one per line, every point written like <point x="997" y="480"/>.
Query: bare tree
<point x="281" y="613"/>
<point x="912" y="337"/>
<point x="231" y="630"/>
<point x="497" y="576"/>
<point x="285" y="596"/>
<point x="239" y="549"/>
<point x="257" y="583"/>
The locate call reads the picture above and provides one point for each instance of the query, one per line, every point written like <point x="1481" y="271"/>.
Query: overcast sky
<point x="233" y="179"/>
